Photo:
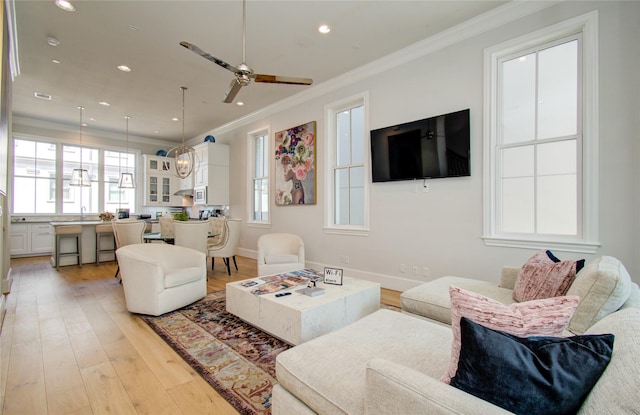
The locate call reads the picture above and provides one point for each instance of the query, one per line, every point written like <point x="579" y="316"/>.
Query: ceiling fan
<point x="244" y="74"/>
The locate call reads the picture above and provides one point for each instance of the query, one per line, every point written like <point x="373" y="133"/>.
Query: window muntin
<point x="35" y="176"/>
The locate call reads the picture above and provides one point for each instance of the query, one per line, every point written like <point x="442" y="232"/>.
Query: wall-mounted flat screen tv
<point x="430" y="148"/>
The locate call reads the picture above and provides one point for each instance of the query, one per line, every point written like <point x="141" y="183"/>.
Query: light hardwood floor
<point x="69" y="346"/>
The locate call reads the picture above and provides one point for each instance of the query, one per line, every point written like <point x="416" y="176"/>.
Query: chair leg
<point x="234" y="262"/>
<point x="212" y="262"/>
<point x="117" y="271"/>
<point x="226" y="262"/>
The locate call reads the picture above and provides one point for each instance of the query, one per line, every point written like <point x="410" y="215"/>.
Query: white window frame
<point x="251" y="175"/>
<point x="586" y="240"/>
<point x="330" y="150"/>
<point x="59" y="179"/>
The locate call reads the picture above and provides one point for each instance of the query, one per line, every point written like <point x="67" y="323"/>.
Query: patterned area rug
<point x="236" y="359"/>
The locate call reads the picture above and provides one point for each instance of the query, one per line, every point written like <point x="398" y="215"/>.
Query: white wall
<point x="442" y="229"/>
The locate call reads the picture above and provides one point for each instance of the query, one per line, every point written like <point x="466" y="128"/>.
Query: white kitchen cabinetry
<point x="31" y="239"/>
<point x="213" y="172"/>
<point x="159" y="182"/>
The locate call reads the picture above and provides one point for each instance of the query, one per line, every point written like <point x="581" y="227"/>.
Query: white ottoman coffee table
<point x="297" y="318"/>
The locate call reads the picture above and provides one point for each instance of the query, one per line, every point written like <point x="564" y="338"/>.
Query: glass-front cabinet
<point x="160" y="184"/>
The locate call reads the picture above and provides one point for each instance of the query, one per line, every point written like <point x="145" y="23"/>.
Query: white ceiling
<point x="282" y="39"/>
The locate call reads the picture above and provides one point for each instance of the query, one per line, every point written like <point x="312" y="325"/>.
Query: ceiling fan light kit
<point x="244" y="74"/>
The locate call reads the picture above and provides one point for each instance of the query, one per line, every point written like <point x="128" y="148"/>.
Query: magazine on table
<point x="279" y="282"/>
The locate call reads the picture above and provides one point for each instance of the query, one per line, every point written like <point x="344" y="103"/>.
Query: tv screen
<point x="429" y="148"/>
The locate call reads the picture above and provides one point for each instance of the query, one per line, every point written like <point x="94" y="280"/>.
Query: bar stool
<point x="104" y="230"/>
<point x="66" y="231"/>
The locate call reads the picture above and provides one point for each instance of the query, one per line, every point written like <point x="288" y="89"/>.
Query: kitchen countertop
<point x="77" y="222"/>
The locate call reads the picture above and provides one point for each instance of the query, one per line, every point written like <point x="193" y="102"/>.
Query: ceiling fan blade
<point x="232" y="91"/>
<point x="276" y="79"/>
<point x="209" y="57"/>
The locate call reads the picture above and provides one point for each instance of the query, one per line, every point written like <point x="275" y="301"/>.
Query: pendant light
<point x="183" y="156"/>
<point x="80" y="177"/>
<point x="126" y="178"/>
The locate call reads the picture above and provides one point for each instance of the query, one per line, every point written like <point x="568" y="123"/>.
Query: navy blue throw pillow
<point x="533" y="375"/>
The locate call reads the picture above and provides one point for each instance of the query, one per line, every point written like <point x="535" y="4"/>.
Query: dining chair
<point x="127" y="232"/>
<point x="227" y="249"/>
<point x="216" y="228"/>
<point x="280" y="252"/>
<point x="192" y="235"/>
<point x="166" y="226"/>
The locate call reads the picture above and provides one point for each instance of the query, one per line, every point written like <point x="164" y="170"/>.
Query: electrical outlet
<point x="415" y="270"/>
<point x="425" y="188"/>
<point x="403" y="268"/>
<point x="345" y="259"/>
<point x="425" y="271"/>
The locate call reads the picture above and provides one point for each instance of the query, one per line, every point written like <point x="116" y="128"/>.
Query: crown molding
<point x="475" y="26"/>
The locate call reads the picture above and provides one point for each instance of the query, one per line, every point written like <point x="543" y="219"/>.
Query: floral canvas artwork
<point x="295" y="173"/>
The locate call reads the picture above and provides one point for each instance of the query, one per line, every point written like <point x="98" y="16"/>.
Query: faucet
<point x="82" y="210"/>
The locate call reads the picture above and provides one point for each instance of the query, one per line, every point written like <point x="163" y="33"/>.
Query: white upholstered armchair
<point x="158" y="278"/>
<point x="280" y="252"/>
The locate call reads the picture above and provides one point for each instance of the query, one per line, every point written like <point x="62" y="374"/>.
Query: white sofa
<point x="391" y="362"/>
<point x="158" y="278"/>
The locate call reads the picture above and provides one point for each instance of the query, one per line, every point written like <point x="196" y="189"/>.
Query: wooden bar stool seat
<point x="69" y="231"/>
<point x="104" y="230"/>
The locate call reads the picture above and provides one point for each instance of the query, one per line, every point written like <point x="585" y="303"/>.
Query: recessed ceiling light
<point x="84" y="124"/>
<point x="104" y="103"/>
<point x="240" y="103"/>
<point x="55" y="61"/>
<point x="124" y="68"/>
<point x="132" y="27"/>
<point x="324" y="29"/>
<point x="156" y="132"/>
<point x="52" y="41"/>
<point x="65" y="5"/>
<point x="174" y="119"/>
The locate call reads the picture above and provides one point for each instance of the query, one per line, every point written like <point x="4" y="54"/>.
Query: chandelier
<point x="126" y="178"/>
<point x="80" y="177"/>
<point x="184" y="157"/>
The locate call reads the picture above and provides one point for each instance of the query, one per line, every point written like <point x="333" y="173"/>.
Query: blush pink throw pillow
<point x="545" y="276"/>
<point x="545" y="317"/>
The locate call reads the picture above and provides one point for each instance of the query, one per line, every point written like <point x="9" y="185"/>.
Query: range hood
<point x="184" y="192"/>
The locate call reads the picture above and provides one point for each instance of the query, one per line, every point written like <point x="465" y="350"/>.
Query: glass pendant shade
<point x="184" y="157"/>
<point x="80" y="177"/>
<point x="126" y="181"/>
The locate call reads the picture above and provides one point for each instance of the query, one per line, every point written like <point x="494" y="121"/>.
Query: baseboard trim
<point x="390" y="282"/>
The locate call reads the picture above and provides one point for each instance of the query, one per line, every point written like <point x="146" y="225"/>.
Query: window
<point x="35" y="176"/>
<point x="540" y="149"/>
<point x="42" y="172"/>
<point x="348" y="171"/>
<point x="259" y="172"/>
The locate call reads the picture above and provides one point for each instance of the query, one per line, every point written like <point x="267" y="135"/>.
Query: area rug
<point x="235" y="358"/>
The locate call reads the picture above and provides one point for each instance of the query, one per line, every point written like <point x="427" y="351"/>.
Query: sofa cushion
<point x="431" y="299"/>
<point x="328" y="372"/>
<point x="544" y="276"/>
<point x="533" y="375"/>
<point x="603" y="286"/>
<point x="617" y="390"/>
<point x="176" y="277"/>
<point x="545" y="317"/>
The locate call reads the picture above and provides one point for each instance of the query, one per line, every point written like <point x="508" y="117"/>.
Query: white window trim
<point x="251" y="135"/>
<point x="588" y="242"/>
<point x="330" y="111"/>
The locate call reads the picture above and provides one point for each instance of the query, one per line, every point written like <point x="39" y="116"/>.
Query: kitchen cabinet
<point x="212" y="172"/>
<point x="30" y="239"/>
<point x="159" y="182"/>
